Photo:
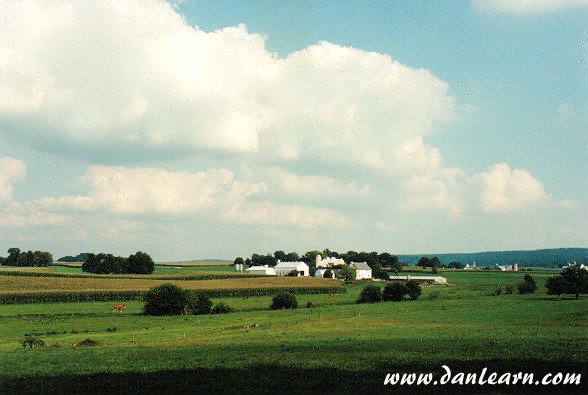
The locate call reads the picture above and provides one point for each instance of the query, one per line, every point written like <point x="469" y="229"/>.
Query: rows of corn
<point x="38" y="289"/>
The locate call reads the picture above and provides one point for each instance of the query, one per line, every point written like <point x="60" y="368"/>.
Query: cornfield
<point x="28" y="289"/>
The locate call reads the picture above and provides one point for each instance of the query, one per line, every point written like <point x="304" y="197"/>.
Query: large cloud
<point x="502" y="190"/>
<point x="129" y="80"/>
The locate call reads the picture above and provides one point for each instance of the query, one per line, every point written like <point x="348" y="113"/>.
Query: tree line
<point x="16" y="257"/>
<point x="139" y="263"/>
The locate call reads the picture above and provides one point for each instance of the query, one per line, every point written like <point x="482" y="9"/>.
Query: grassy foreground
<point x="336" y="347"/>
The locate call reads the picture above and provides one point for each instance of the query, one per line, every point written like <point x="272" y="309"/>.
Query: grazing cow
<point x="331" y="295"/>
<point x="245" y="296"/>
<point x="118" y="308"/>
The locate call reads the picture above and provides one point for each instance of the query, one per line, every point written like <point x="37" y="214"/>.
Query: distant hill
<point x="546" y="258"/>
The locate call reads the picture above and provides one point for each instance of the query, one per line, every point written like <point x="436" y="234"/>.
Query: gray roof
<point x="361" y="266"/>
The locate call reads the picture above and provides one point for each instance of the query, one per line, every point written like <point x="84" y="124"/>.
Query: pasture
<point x="336" y="347"/>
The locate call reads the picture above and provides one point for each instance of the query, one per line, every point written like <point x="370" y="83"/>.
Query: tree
<point x="387" y="260"/>
<point x="140" y="263"/>
<point x="370" y="294"/>
<point x="572" y="280"/>
<point x="199" y="303"/>
<point x="394" y="292"/>
<point x="13" y="254"/>
<point x="284" y="300"/>
<point x="528" y="286"/>
<point x="556" y="285"/>
<point x="455" y="265"/>
<point x="293" y="273"/>
<point x="310" y="257"/>
<point x="238" y="261"/>
<point x="346" y="273"/>
<point x="328" y="273"/>
<point x="166" y="299"/>
<point x="429" y="262"/>
<point x="280" y="256"/>
<point x="413" y="289"/>
<point x="577" y="280"/>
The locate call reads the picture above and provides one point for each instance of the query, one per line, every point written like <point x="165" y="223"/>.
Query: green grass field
<point x="336" y="347"/>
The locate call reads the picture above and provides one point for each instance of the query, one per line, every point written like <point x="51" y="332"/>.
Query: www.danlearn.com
<point x="482" y="378"/>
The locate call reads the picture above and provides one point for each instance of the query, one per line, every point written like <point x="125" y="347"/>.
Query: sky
<point x="215" y="129"/>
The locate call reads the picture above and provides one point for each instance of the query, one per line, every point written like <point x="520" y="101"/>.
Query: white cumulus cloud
<point x="502" y="190"/>
<point x="130" y="80"/>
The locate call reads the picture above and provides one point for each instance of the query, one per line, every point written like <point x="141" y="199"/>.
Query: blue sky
<point x="201" y="129"/>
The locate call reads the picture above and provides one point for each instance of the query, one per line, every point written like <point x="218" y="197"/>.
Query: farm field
<point x="336" y="347"/>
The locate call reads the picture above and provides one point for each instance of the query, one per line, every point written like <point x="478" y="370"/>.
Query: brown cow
<point x="245" y="296"/>
<point x="118" y="308"/>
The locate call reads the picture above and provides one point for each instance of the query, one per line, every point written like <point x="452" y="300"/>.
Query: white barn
<point x="328" y="262"/>
<point x="362" y="270"/>
<point x="265" y="270"/>
<point x="421" y="279"/>
<point x="284" y="268"/>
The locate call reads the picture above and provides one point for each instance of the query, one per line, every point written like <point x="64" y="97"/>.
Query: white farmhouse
<point x="265" y="270"/>
<point x="284" y="268"/>
<point x="362" y="270"/>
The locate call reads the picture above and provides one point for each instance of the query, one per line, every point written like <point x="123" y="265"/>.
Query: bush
<point x="284" y="300"/>
<point x="166" y="299"/>
<point x="222" y="308"/>
<point x="394" y="292"/>
<point x="199" y="303"/>
<point x="528" y="285"/>
<point x="413" y="289"/>
<point x="32" y="342"/>
<point x="496" y="292"/>
<point x="370" y="294"/>
<point x="88" y="343"/>
<point x="509" y="290"/>
<point x="309" y="305"/>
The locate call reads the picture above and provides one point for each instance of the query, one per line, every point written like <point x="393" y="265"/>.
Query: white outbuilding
<point x="265" y="270"/>
<point x="284" y="268"/>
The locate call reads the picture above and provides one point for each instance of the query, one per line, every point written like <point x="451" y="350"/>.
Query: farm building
<point x="284" y="268"/>
<point x="328" y="262"/>
<point x="362" y="270"/>
<point x="266" y="270"/>
<point x="508" y="268"/>
<point x="320" y="273"/>
<point x="421" y="279"/>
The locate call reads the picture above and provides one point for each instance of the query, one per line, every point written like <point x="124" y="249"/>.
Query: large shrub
<point x="166" y="299"/>
<point x="413" y="289"/>
<point x="284" y="300"/>
<point x="394" y="292"/>
<point x="370" y="294"/>
<point x="199" y="303"/>
<point x="222" y="308"/>
<point x="528" y="285"/>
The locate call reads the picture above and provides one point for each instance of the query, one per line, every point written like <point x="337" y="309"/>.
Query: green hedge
<point x="52" y="297"/>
